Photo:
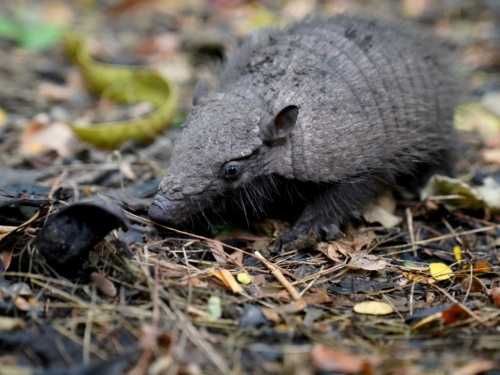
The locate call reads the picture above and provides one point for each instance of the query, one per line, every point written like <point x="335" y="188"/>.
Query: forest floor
<point x="89" y="285"/>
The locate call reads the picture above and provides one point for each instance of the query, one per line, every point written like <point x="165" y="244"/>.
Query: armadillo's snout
<point x="160" y="208"/>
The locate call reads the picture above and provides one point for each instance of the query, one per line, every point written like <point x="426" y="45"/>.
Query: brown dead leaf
<point x="472" y="284"/>
<point x="363" y="239"/>
<point x="328" y="359"/>
<point x="454" y="313"/>
<point x="274" y="314"/>
<point x="42" y="136"/>
<point x="259" y="280"/>
<point x="481" y="267"/>
<point x="318" y="297"/>
<point x="6" y="248"/>
<point x="449" y="316"/>
<point x="362" y="260"/>
<point x="271" y="314"/>
<point x="335" y="251"/>
<point x="237" y="256"/>
<point x="218" y="252"/>
<point x="428" y="321"/>
<point x="495" y="295"/>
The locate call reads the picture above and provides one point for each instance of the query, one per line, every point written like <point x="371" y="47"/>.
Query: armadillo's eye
<point x="231" y="170"/>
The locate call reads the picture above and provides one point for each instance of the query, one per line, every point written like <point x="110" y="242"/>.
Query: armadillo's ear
<point x="201" y="89"/>
<point x="281" y="126"/>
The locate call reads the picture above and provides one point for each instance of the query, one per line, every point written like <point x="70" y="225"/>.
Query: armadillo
<point x="322" y="115"/>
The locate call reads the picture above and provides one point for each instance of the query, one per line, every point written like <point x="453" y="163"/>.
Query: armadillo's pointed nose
<point x="159" y="210"/>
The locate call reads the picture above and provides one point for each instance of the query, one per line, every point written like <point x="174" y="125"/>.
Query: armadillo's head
<point x="225" y="146"/>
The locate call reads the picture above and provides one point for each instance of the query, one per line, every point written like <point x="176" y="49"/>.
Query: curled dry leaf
<point x="123" y="85"/>
<point x="454" y="313"/>
<point x="227" y="278"/>
<point x="472" y="284"/>
<point x="334" y="251"/>
<point x="449" y="316"/>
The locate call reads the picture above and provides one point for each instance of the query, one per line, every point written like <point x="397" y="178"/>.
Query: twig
<point x="277" y="273"/>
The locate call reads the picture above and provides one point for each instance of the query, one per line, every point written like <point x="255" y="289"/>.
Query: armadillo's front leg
<point x="336" y="205"/>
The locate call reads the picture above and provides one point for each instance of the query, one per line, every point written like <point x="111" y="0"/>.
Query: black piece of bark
<point x="68" y="236"/>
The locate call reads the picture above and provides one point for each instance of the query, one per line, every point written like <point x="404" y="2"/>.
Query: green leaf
<point x="8" y="29"/>
<point x="26" y="29"/>
<point x="214" y="308"/>
<point x="41" y="37"/>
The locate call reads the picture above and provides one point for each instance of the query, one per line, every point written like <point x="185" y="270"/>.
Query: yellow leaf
<point x="440" y="271"/>
<point x="227" y="278"/>
<point x="418" y="278"/>
<point x="373" y="308"/>
<point x="3" y="116"/>
<point x="244" y="278"/>
<point x="457" y="252"/>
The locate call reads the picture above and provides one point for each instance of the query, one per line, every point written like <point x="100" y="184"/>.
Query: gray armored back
<point x="359" y="86"/>
<point x="353" y="104"/>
